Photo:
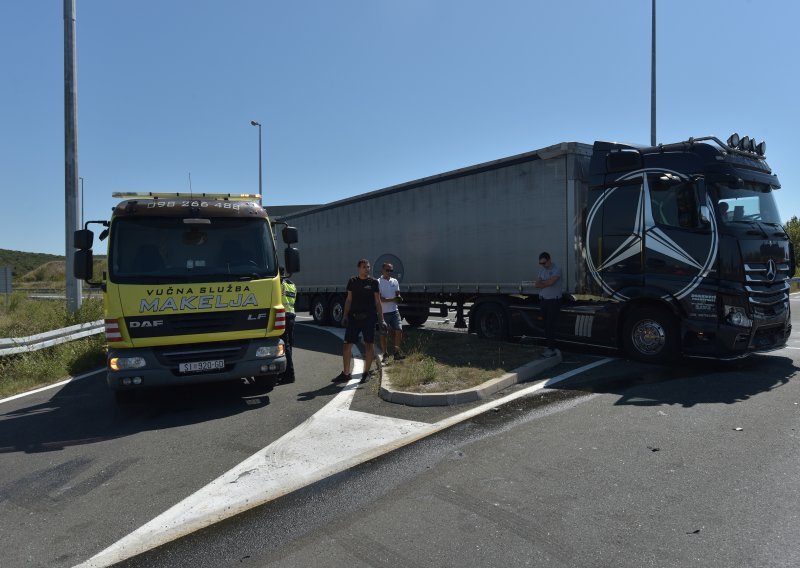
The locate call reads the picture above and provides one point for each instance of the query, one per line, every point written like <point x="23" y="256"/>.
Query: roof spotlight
<point x="733" y="141"/>
<point x="761" y="148"/>
<point x="744" y="143"/>
<point x="752" y="145"/>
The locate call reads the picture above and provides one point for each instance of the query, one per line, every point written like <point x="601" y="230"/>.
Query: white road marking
<point x="54" y="385"/>
<point x="332" y="440"/>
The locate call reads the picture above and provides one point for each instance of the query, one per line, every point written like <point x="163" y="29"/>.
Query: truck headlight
<point x="270" y="351"/>
<point x="735" y="315"/>
<point x="124" y="363"/>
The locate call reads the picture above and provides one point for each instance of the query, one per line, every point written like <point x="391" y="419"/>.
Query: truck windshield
<point x="162" y="250"/>
<point x="750" y="203"/>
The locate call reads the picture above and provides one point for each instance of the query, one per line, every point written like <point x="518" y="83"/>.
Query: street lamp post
<point x="260" y="194"/>
<point x="81" y="223"/>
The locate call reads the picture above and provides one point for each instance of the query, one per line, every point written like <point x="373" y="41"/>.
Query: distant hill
<point x="24" y="262"/>
<point x="36" y="270"/>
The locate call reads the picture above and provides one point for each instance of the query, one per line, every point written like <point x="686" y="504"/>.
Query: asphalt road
<point x="629" y="465"/>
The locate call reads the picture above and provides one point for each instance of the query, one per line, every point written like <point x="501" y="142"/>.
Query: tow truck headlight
<point x="736" y="315"/>
<point x="124" y="363"/>
<point x="270" y="351"/>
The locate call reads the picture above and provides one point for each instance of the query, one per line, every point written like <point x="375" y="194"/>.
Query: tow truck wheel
<point x="650" y="335"/>
<point x="319" y="310"/>
<point x="491" y="322"/>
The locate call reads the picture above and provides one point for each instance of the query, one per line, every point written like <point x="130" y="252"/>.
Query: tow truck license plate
<point x="201" y="366"/>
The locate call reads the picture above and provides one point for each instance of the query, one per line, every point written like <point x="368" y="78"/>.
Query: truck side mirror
<point x="83" y="239"/>
<point x="289" y="235"/>
<point x="292" y="260"/>
<point x="84" y="264"/>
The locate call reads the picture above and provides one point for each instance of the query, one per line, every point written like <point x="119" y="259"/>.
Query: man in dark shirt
<point x="361" y="310"/>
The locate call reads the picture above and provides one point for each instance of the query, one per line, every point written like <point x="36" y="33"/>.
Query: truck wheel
<point x="650" y="335"/>
<point x="416" y="320"/>
<point x="336" y="311"/>
<point x="319" y="310"/>
<point x="491" y="322"/>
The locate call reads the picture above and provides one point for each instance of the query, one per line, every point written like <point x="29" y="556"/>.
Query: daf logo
<point x="772" y="270"/>
<point x="146" y="323"/>
<point x="646" y="235"/>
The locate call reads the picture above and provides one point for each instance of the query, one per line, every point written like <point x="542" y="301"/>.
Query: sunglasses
<point x="388" y="270"/>
<point x="542" y="262"/>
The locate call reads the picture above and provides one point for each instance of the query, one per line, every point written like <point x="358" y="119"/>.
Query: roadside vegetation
<point x="439" y="361"/>
<point x="21" y="317"/>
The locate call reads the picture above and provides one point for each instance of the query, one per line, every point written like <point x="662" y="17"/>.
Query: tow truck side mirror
<point x="292" y="260"/>
<point x="83" y="239"/>
<point x="84" y="265"/>
<point x="289" y="235"/>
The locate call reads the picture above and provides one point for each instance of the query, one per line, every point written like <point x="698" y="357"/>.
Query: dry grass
<point x="439" y="361"/>
<point x="20" y="317"/>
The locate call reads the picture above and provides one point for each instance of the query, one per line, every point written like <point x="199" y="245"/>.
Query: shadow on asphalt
<point x="84" y="412"/>
<point x="686" y="383"/>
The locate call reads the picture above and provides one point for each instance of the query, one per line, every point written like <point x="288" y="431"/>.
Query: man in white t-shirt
<point x="390" y="295"/>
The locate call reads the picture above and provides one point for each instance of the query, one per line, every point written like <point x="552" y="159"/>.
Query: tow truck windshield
<point x="747" y="204"/>
<point x="149" y="250"/>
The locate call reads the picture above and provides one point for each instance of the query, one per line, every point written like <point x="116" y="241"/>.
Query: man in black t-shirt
<point x="361" y="310"/>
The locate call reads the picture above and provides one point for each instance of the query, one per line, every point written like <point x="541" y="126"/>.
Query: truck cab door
<point x="615" y="242"/>
<point x="677" y="241"/>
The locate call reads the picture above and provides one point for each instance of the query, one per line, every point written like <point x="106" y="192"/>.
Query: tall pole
<point x="74" y="287"/>
<point x="82" y="217"/>
<point x="653" y="83"/>
<point x="260" y="194"/>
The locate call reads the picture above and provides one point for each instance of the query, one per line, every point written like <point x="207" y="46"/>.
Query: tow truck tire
<point x="319" y="310"/>
<point x="491" y="322"/>
<point x="650" y="334"/>
<point x="336" y="310"/>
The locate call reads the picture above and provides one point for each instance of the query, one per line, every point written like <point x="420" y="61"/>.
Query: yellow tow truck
<point x="193" y="290"/>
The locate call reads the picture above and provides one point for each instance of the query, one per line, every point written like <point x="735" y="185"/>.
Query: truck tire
<point x="415" y="320"/>
<point x="650" y="335"/>
<point x="336" y="310"/>
<point x="319" y="310"/>
<point x="491" y="322"/>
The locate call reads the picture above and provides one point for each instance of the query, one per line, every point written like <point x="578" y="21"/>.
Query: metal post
<point x="255" y="123"/>
<point x="74" y="286"/>
<point x="653" y="83"/>
<point x="82" y="217"/>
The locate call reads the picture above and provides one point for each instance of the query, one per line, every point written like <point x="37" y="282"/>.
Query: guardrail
<point x="14" y="345"/>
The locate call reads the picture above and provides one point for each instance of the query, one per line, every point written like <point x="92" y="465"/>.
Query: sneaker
<point x="547" y="353"/>
<point x="342" y="378"/>
<point x="385" y="358"/>
<point x="366" y="376"/>
<point x="398" y="356"/>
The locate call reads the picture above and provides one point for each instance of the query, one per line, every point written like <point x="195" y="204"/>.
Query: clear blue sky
<point x="356" y="95"/>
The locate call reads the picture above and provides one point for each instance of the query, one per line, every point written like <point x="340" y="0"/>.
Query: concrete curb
<point x="480" y="392"/>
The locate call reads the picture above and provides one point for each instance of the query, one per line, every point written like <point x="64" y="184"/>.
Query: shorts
<point x="365" y="327"/>
<point x="392" y="319"/>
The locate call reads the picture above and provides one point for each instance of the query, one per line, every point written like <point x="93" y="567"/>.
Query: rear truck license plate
<point x="201" y="366"/>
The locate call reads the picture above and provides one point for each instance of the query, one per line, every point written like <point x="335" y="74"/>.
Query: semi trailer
<point x="674" y="249"/>
<point x="192" y="293"/>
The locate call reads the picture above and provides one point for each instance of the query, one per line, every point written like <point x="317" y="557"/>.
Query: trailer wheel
<point x="415" y="320"/>
<point x="650" y="335"/>
<point x="491" y="322"/>
<point x="336" y="311"/>
<point x="319" y="310"/>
